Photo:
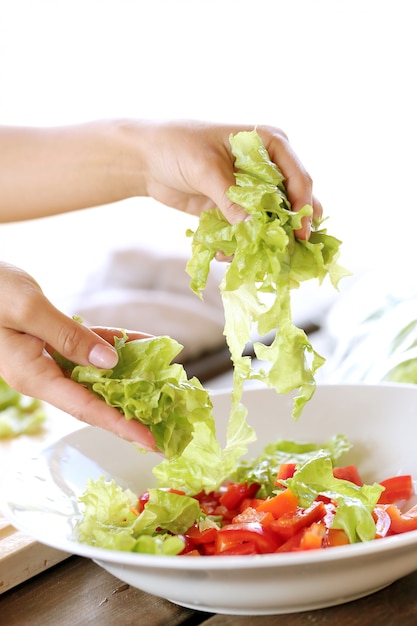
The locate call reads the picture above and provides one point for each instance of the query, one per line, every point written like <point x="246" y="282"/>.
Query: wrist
<point x="131" y="155"/>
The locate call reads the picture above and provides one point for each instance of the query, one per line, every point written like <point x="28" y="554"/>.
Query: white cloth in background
<point x="147" y="290"/>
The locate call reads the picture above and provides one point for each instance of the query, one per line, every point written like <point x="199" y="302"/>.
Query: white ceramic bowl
<point x="40" y="497"/>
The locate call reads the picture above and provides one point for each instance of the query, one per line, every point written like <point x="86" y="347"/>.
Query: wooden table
<point x="79" y="592"/>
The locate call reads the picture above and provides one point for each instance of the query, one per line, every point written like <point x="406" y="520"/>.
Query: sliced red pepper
<point x="313" y="537"/>
<point x="249" y="502"/>
<point x="207" y="549"/>
<point x="290" y="523"/>
<point x="240" y="549"/>
<point x="197" y="536"/>
<point x="396" y="488"/>
<point x="253" y="515"/>
<point x="335" y="537"/>
<point x="230" y="535"/>
<point x="286" y="470"/>
<point x="284" y="502"/>
<point x="348" y="472"/>
<point x="236" y="492"/>
<point x="402" y="522"/>
<point x="292" y="544"/>
<point x="208" y="501"/>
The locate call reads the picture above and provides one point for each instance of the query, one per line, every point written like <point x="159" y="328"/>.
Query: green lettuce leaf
<point x="19" y="414"/>
<point x="268" y="262"/>
<point x="145" y="385"/>
<point x="263" y="469"/>
<point x="354" y="504"/>
<point x="108" y="521"/>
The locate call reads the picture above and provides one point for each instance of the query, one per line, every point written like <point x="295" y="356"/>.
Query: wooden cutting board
<point x="21" y="557"/>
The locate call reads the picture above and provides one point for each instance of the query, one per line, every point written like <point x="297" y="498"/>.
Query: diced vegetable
<point x="317" y="507"/>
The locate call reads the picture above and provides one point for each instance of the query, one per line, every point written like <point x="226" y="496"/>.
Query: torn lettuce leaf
<point x="109" y="522"/>
<point x="264" y="468"/>
<point x="267" y="263"/>
<point x="146" y="385"/>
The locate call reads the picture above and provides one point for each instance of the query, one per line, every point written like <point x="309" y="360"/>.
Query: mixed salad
<point x="292" y="497"/>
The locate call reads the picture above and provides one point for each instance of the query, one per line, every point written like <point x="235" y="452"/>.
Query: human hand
<point x="31" y="328"/>
<point x="190" y="167"/>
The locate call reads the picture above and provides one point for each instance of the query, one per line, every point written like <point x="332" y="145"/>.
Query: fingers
<point x="298" y="182"/>
<point x="25" y="309"/>
<point x="110" y="333"/>
<point x="32" y="371"/>
<point x="28" y="322"/>
<point x="78" y="401"/>
<point x="72" y="339"/>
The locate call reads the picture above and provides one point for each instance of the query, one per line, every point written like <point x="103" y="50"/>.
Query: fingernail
<point x="102" y="356"/>
<point x="148" y="448"/>
<point x="147" y="443"/>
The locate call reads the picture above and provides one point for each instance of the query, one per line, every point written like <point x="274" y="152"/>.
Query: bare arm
<point x="45" y="171"/>
<point x="187" y="165"/>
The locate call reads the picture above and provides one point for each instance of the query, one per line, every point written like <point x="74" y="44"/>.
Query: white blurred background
<point x="337" y="75"/>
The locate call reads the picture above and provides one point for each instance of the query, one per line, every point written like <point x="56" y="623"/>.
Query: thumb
<point x="74" y="341"/>
<point x="217" y="186"/>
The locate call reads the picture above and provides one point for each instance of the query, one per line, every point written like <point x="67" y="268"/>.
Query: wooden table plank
<point x="21" y="557"/>
<point x="397" y="604"/>
<point x="77" y="592"/>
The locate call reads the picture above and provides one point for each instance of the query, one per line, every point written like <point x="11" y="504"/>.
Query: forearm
<point x="45" y="171"/>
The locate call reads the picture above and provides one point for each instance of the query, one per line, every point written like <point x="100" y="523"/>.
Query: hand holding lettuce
<point x="147" y="386"/>
<point x="267" y="261"/>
